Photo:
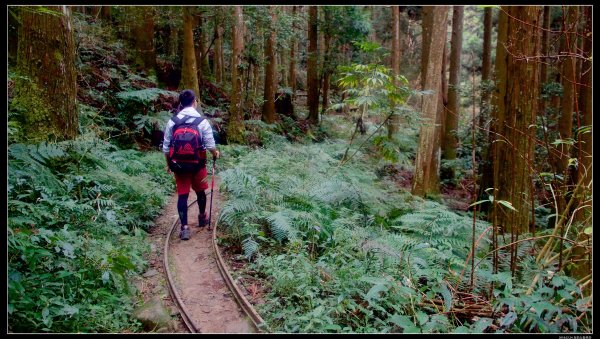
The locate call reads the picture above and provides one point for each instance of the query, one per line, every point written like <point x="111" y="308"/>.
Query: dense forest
<point x="385" y="169"/>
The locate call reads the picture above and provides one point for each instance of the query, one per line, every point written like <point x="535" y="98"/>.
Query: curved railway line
<point x="241" y="300"/>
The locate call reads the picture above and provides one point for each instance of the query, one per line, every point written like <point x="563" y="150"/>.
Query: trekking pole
<point x="212" y="187"/>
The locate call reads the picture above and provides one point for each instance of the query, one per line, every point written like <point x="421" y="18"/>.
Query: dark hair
<point x="186" y="98"/>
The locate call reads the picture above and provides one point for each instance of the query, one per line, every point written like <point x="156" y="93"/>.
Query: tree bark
<point x="46" y="89"/>
<point x="544" y="53"/>
<point x="584" y="170"/>
<point x="105" y="13"/>
<point x="235" y="127"/>
<point x="312" y="79"/>
<point x="173" y="35"/>
<point x="565" y="121"/>
<point x="13" y="34"/>
<point x="268" y="110"/>
<point x="394" y="120"/>
<point x="189" y="74"/>
<point x="327" y="69"/>
<point x="486" y="167"/>
<point x="202" y="50"/>
<point x="585" y="147"/>
<point x="292" y="67"/>
<point x="218" y="54"/>
<point x="143" y="38"/>
<point x="452" y="113"/>
<point x="516" y="107"/>
<point x="486" y="70"/>
<point x="426" y="178"/>
<point x="94" y="11"/>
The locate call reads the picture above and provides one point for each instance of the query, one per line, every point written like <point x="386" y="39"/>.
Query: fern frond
<point x="281" y="226"/>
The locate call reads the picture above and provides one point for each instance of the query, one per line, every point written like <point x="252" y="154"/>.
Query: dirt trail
<point x="210" y="304"/>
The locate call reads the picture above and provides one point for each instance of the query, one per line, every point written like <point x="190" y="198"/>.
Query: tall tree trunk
<point x="442" y="107"/>
<point x="235" y="127"/>
<point x="46" y="89"/>
<point x="312" y="79"/>
<point x="218" y="54"/>
<point x="199" y="50"/>
<point x="584" y="169"/>
<point x="544" y="53"/>
<point x="283" y="77"/>
<point x="585" y="104"/>
<point x="443" y="93"/>
<point x="565" y="121"/>
<point x="452" y="113"/>
<point x="173" y="34"/>
<point x="142" y="36"/>
<point x="396" y="55"/>
<point x="268" y="110"/>
<point x="94" y="11"/>
<point x="426" y="179"/>
<point x="189" y="74"/>
<point x="486" y="70"/>
<point x="486" y="167"/>
<point x="255" y="79"/>
<point x="204" y="47"/>
<point x="13" y="34"/>
<point x="326" y="62"/>
<point x="105" y="13"/>
<point x="292" y="68"/>
<point x="373" y="31"/>
<point x="517" y="99"/>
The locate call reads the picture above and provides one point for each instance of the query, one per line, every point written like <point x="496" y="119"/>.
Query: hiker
<point x="187" y="136"/>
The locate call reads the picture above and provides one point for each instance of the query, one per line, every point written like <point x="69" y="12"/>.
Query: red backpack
<point x="186" y="152"/>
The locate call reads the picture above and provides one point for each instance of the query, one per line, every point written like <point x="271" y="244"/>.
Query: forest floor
<point x="210" y="304"/>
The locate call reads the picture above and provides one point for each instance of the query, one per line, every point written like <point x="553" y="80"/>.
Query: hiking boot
<point x="185" y="234"/>
<point x="202" y="220"/>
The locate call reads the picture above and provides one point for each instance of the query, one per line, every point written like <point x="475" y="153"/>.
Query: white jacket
<point x="204" y="128"/>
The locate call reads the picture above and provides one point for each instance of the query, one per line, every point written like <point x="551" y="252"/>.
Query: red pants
<point x="196" y="180"/>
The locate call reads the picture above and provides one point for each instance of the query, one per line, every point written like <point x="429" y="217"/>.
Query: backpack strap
<point x="197" y="120"/>
<point x="176" y="120"/>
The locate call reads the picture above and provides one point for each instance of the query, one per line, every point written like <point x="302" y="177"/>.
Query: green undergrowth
<point x="342" y="251"/>
<point x="77" y="216"/>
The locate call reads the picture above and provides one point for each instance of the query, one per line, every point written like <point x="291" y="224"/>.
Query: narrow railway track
<point x="241" y="300"/>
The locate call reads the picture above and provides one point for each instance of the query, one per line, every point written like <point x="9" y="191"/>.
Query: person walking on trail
<point x="187" y="136"/>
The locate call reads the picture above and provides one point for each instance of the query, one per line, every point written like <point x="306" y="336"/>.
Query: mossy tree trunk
<point x="311" y="72"/>
<point x="516" y="107"/>
<point x="426" y="178"/>
<point x="189" y="74"/>
<point x="46" y="90"/>
<point x="268" y="109"/>
<point x="235" y="127"/>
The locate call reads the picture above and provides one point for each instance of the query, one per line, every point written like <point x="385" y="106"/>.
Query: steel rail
<point x="189" y="323"/>
<point x="248" y="309"/>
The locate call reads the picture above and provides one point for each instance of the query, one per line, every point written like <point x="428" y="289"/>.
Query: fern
<point x="281" y="226"/>
<point x="144" y="96"/>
